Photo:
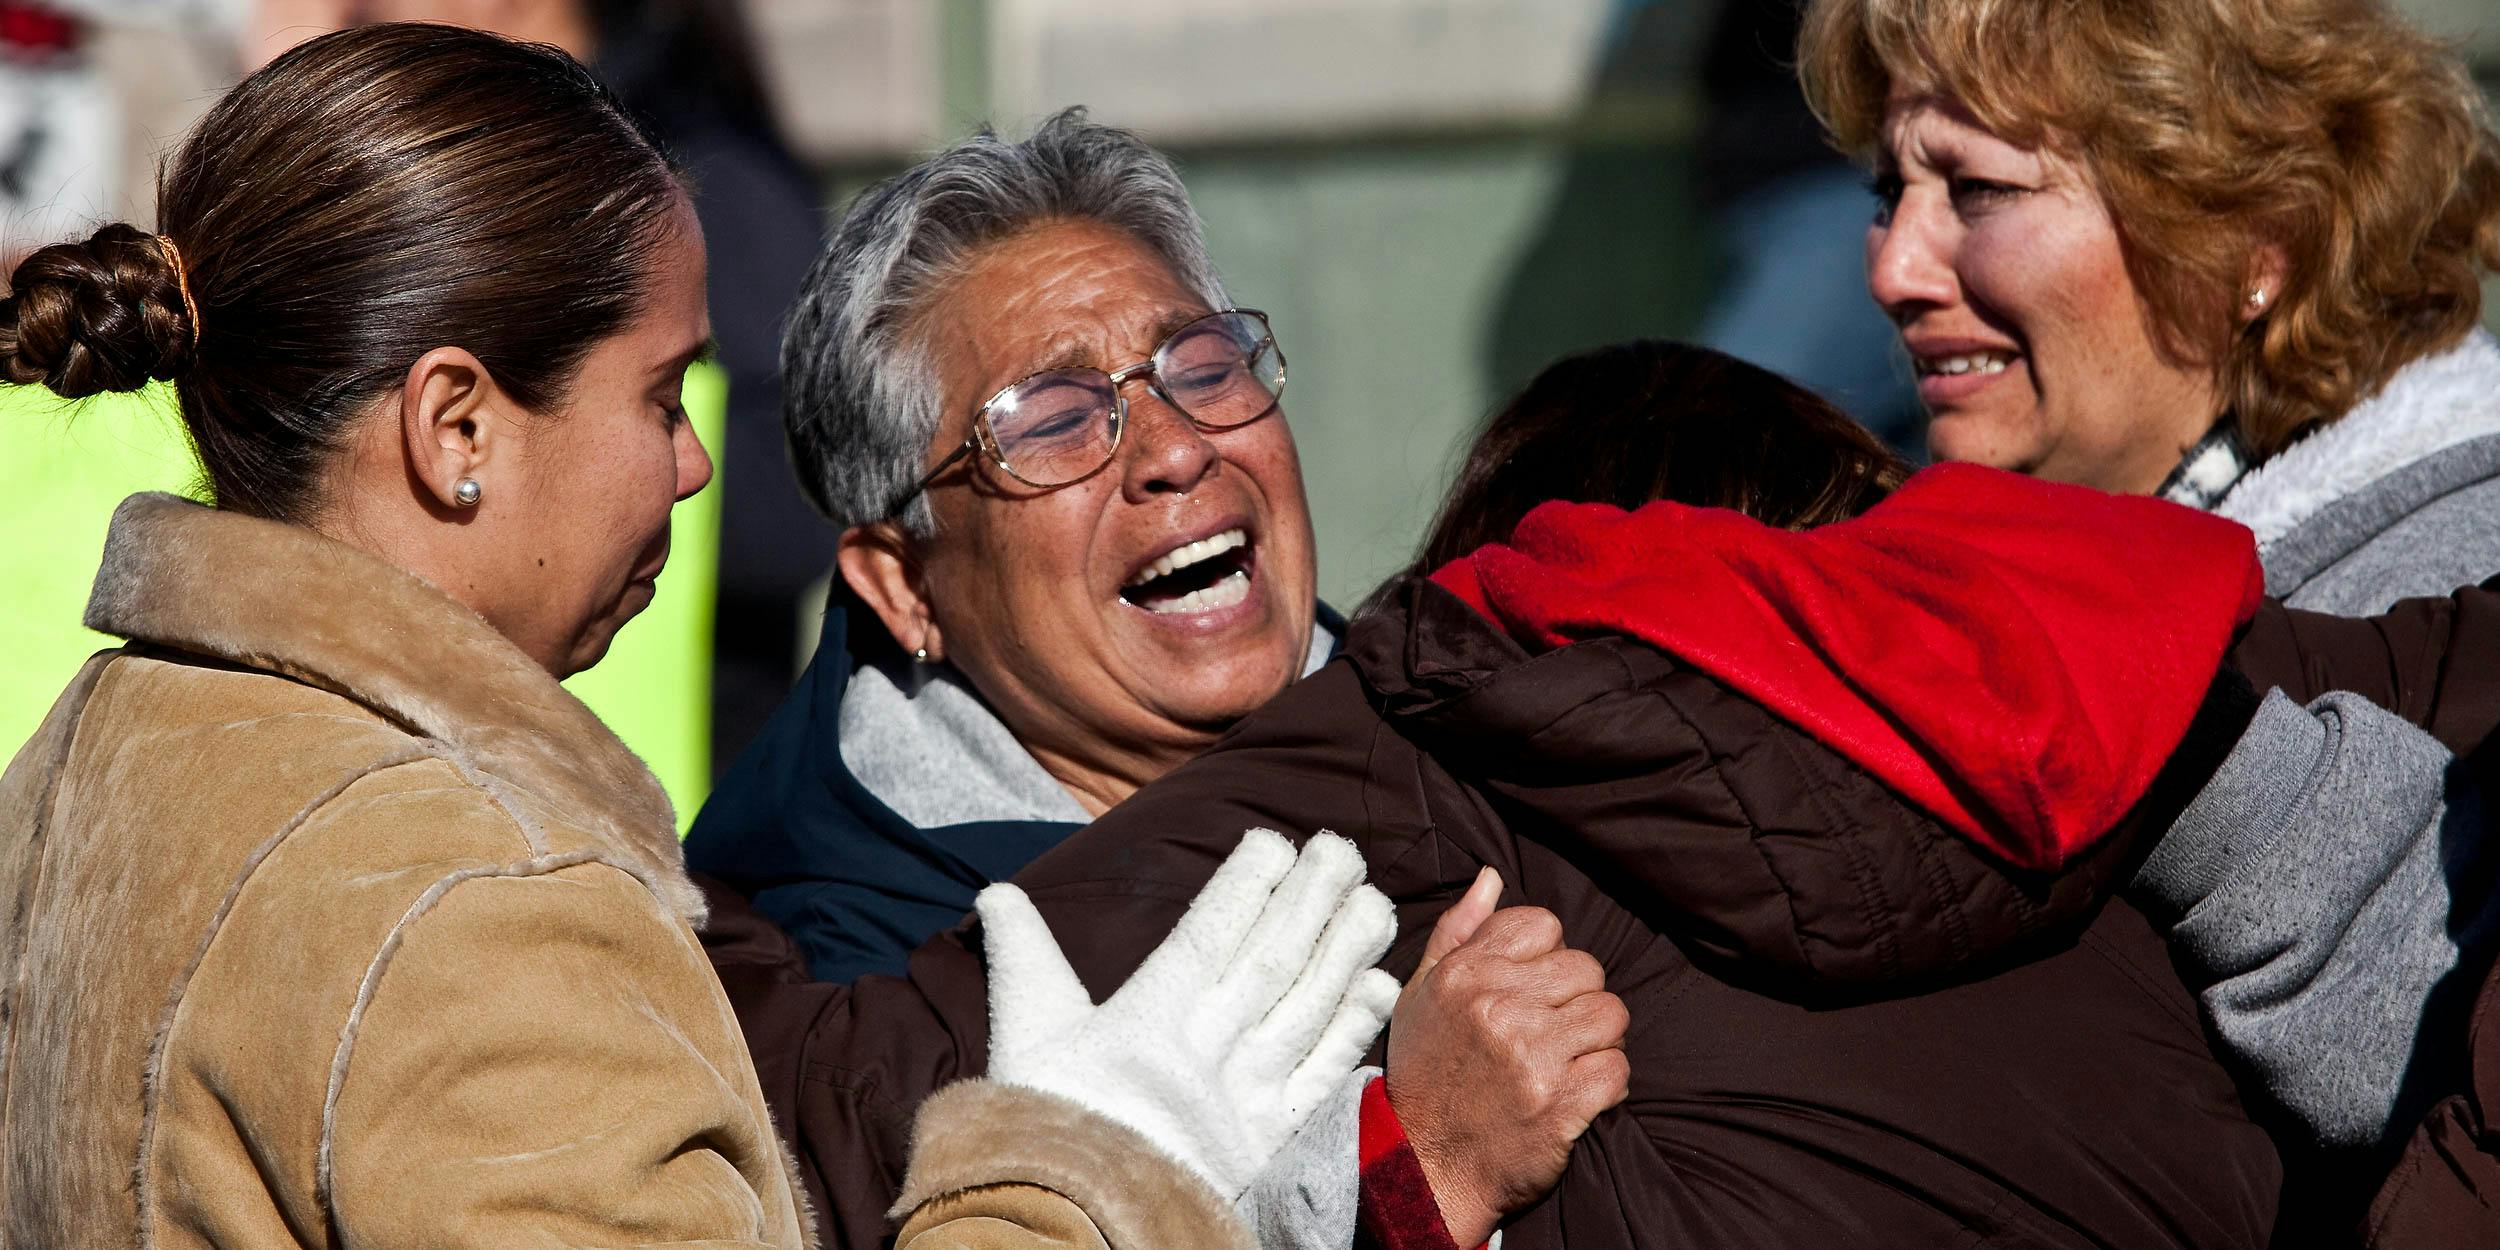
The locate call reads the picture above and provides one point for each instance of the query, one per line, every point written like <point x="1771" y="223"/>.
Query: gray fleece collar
<point x="921" y="740"/>
<point x="2435" y="405"/>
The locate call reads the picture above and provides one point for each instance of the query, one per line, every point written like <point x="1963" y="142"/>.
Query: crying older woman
<point x="1074" y="544"/>
<point x="1074" y="551"/>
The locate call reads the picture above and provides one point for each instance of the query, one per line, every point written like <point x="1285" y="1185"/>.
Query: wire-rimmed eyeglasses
<point x="1061" y="426"/>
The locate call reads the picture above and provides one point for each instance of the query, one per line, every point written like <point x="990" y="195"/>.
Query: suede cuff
<point x="980" y="1133"/>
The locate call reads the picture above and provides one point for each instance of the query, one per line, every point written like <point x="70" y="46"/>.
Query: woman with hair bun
<point x="328" y="916"/>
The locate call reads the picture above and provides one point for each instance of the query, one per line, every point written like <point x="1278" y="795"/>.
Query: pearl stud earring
<point x="466" y="492"/>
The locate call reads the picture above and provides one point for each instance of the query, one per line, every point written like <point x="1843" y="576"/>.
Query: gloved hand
<point x="1231" y="1032"/>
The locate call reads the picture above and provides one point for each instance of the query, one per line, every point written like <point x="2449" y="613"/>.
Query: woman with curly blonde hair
<point x="2229" y="252"/>
<point x="2224" y="250"/>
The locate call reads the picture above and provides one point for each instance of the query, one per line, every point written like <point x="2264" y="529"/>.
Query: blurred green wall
<point x="1414" y="285"/>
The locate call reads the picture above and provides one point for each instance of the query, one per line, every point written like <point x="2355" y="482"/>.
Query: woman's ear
<point x="454" y="423"/>
<point x="2268" y="269"/>
<point x="877" y="563"/>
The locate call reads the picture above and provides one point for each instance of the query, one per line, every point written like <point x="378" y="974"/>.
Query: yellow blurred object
<point x="655" y="686"/>
<point x="69" y="464"/>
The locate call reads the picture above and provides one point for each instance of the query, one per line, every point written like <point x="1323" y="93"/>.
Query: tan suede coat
<point x="330" y="919"/>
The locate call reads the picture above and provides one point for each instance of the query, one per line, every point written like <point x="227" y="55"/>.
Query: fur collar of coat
<point x="281" y="598"/>
<point x="2432" y="405"/>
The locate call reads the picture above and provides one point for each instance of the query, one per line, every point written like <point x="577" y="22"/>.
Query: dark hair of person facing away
<point x="368" y="197"/>
<point x="1650" y="420"/>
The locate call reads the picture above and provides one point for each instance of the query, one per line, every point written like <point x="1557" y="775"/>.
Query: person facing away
<point x="2297" y="1021"/>
<point x="330" y="917"/>
<point x="1671" y="815"/>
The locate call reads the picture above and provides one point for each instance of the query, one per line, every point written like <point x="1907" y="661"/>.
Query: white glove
<point x="1231" y="1032"/>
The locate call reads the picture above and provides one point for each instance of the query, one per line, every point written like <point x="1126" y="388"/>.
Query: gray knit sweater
<point x="2313" y="875"/>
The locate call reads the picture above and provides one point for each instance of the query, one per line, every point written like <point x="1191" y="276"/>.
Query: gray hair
<point x="860" y="399"/>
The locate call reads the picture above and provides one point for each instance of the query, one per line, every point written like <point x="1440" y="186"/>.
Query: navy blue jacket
<point x="856" y="885"/>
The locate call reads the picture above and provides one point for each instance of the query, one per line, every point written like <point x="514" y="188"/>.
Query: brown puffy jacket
<point x="2445" y="1189"/>
<point x="2051" y="1086"/>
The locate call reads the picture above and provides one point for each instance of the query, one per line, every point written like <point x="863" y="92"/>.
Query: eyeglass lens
<point x="1054" y="428"/>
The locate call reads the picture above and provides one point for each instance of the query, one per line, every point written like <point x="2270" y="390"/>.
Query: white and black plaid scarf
<point x="2209" y="469"/>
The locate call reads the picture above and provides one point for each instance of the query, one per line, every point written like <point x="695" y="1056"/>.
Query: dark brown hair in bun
<point x="368" y="197"/>
<point x="103" y="315"/>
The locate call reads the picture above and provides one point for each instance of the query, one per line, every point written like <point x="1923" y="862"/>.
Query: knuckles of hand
<point x="1532" y="1022"/>
<point x="1542" y="1087"/>
<point x="1495" y="1018"/>
<point x="1517" y="932"/>
<point x="1568" y="974"/>
<point x="1500" y="1056"/>
<point x="1609" y="1020"/>
<point x="1613" y="1082"/>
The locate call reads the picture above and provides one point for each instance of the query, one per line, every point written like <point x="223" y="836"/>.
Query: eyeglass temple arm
<point x="903" y="500"/>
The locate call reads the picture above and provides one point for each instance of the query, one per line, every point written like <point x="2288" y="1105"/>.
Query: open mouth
<point x="1964" y="363"/>
<point x="1213" y="572"/>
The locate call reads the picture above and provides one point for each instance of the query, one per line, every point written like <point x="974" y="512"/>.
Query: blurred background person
<point x="1785" y="208"/>
<point x="90" y="90"/>
<point x="60" y="124"/>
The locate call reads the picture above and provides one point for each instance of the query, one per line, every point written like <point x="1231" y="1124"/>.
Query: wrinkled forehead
<point x="1917" y="118"/>
<point x="1057" y="296"/>
<point x="1929" y="126"/>
<point x="1069" y="349"/>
